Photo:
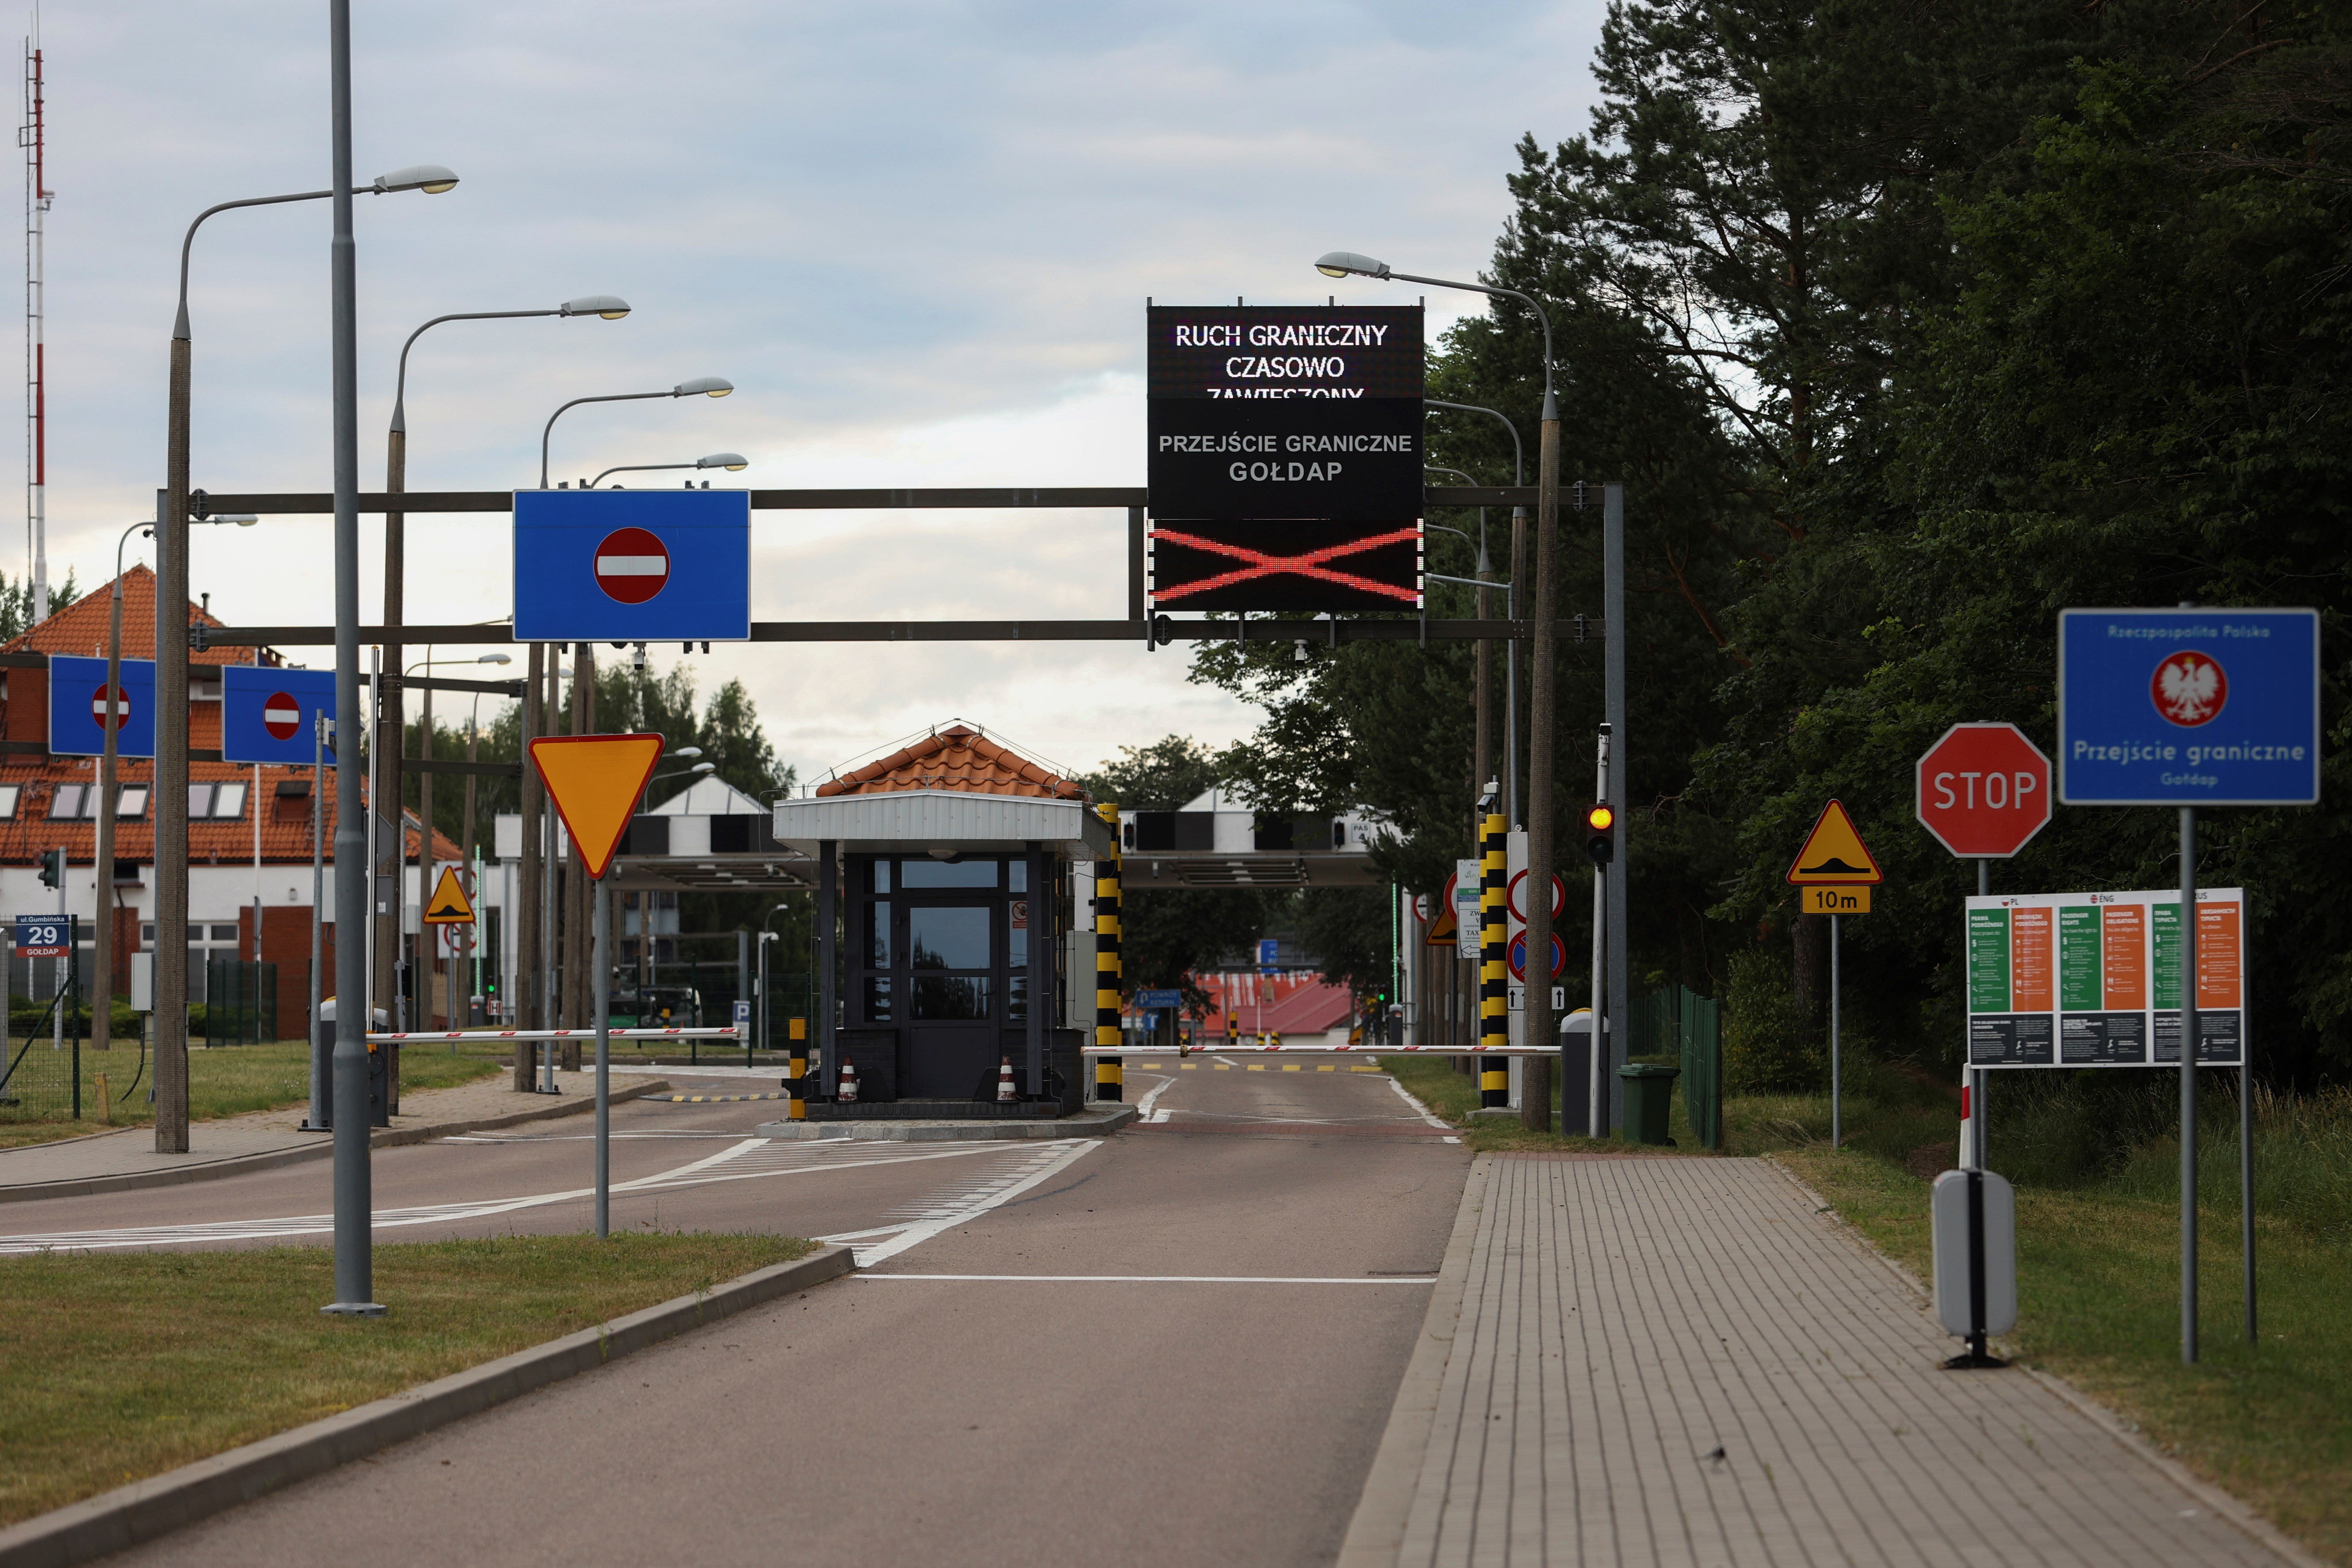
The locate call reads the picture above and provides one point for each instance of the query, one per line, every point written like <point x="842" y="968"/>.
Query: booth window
<point x="947" y="873"/>
<point x="8" y="794"/>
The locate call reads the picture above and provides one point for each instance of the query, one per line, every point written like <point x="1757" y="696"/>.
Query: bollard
<point x="796" y="1084"/>
<point x="1107" y="1078"/>
<point x="1494" y="1020"/>
<point x="105" y="1101"/>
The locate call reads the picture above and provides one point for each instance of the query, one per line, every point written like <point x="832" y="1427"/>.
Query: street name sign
<point x="595" y="782"/>
<point x="1835" y="855"/>
<point x="2082" y="980"/>
<point x="268" y="715"/>
<point x="78" y="711"/>
<point x="2198" y="707"/>
<point x="1983" y="791"/>
<point x="1285" y="456"/>
<point x="44" y="936"/>
<point x="633" y="566"/>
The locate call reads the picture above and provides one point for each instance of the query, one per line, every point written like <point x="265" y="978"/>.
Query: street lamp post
<point x="171" y="650"/>
<point x="704" y="385"/>
<point x="393" y="713"/>
<point x="734" y="463"/>
<point x="1482" y="745"/>
<point x="1518" y="574"/>
<point x="1540" y="699"/>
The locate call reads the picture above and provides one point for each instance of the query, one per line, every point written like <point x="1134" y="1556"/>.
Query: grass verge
<point x="1452" y="1096"/>
<point x="2098" y="1304"/>
<point x="103" y="1388"/>
<point x="226" y="1081"/>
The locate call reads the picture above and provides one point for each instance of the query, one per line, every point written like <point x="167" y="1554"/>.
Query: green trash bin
<point x="1649" y="1099"/>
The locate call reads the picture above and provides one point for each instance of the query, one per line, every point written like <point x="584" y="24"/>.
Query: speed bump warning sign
<point x="1835" y="855"/>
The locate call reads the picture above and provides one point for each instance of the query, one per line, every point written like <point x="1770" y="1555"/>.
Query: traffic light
<point x="1600" y="842"/>
<point x="53" y="867"/>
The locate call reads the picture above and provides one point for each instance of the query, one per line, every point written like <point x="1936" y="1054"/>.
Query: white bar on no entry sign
<point x="632" y="565"/>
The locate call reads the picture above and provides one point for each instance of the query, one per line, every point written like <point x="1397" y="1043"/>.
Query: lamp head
<point x="733" y="462"/>
<point x="240" y="519"/>
<point x="430" y="178"/>
<point x="704" y="768"/>
<point x="612" y="307"/>
<point x="495" y="658"/>
<point x="1347" y="263"/>
<point x="710" y="386"/>
<point x="686" y="752"/>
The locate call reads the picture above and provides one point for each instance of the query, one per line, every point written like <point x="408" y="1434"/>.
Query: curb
<point x="238" y="1164"/>
<point x="143" y="1510"/>
<point x="1376" y="1531"/>
<point x="1083" y="1125"/>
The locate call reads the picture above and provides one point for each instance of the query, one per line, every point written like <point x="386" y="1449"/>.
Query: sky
<point x="917" y="235"/>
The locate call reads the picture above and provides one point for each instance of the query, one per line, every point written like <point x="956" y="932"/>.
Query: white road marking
<point x="1406" y="1095"/>
<point x="1143" y="1107"/>
<point x="747" y="1160"/>
<point x="1049" y="1160"/>
<point x="1174" y="1279"/>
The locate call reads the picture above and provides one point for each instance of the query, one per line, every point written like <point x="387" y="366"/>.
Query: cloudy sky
<point x="917" y="236"/>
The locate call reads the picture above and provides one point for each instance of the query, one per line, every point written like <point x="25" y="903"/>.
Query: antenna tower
<point x="37" y="195"/>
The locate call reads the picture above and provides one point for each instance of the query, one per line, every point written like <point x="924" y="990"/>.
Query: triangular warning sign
<point x="1442" y="932"/>
<point x="1835" y="855"/>
<point x="594" y="781"/>
<point x="450" y="906"/>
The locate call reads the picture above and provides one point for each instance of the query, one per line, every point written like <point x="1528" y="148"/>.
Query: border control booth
<point x="947" y="912"/>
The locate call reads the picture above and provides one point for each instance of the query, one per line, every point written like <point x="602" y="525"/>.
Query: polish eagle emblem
<point x="2189" y="688"/>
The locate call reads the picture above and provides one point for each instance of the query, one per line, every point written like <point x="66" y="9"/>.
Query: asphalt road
<point x="1191" y="1361"/>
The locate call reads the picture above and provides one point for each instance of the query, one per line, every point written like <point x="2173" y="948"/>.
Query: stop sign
<point x="281" y="716"/>
<point x="632" y="565"/>
<point x="1984" y="790"/>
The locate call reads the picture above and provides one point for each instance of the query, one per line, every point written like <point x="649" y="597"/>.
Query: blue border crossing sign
<point x="2199" y="707"/>
<point x="74" y="728"/>
<point x="633" y="566"/>
<point x="256" y="702"/>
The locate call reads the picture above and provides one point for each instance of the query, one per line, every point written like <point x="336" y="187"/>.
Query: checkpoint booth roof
<point x="954" y="864"/>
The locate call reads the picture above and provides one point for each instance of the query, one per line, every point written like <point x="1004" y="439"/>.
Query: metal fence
<point x="240" y="1001"/>
<point x="1678" y="1022"/>
<point x="41" y="1073"/>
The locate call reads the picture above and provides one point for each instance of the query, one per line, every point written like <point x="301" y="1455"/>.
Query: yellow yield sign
<point x="595" y="781"/>
<point x="450" y="907"/>
<point x="1835" y="855"/>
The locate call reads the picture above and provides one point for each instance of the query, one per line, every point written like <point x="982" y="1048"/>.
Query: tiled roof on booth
<point x="956" y="758"/>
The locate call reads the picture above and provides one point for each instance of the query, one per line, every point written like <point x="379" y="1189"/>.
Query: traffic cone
<point x="848" y="1095"/>
<point x="1005" y="1091"/>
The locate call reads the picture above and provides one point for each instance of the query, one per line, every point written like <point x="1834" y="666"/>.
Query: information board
<point x="2085" y="980"/>
<point x="1285" y="456"/>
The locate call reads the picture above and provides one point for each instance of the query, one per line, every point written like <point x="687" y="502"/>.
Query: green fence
<point x="240" y="1001"/>
<point x="40" y="1075"/>
<point x="1679" y="1021"/>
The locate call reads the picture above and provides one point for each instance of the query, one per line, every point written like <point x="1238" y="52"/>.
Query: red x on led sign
<point x="1278" y="569"/>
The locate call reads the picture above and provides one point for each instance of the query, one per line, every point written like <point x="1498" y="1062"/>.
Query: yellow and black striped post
<point x="1107" y="1074"/>
<point x="796" y="1083"/>
<point x="1493" y="1015"/>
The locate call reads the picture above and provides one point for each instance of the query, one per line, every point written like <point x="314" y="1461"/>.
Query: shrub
<point x="1768" y="1045"/>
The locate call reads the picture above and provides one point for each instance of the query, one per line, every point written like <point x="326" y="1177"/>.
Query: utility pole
<point x="523" y="988"/>
<point x="38" y="197"/>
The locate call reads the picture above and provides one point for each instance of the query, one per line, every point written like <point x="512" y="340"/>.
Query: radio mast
<point x="37" y="413"/>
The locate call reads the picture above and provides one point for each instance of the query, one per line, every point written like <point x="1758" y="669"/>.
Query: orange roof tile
<point x="79" y="629"/>
<point x="955" y="758"/>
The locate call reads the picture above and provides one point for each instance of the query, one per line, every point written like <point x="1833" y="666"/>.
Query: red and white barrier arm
<point x="723" y="1032"/>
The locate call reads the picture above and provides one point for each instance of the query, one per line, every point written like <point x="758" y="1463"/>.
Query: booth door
<point x="954" y="1002"/>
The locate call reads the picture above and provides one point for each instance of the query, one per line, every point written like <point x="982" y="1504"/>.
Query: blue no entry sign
<point x="2188" y="707"/>
<point x="78" y="711"/>
<point x="633" y="566"/>
<point x="1153" y="1001"/>
<point x="270" y="715"/>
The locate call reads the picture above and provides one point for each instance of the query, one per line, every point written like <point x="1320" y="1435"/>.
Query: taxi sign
<point x="1835" y="855"/>
<point x="449" y="907"/>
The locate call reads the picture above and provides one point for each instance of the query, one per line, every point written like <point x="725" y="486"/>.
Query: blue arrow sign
<point x="74" y="721"/>
<point x="633" y="566"/>
<point x="269" y="715"/>
<point x="2188" y="707"/>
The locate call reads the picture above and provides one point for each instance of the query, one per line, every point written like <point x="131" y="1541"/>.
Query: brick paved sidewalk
<point x="131" y="1151"/>
<point x="1683" y="1362"/>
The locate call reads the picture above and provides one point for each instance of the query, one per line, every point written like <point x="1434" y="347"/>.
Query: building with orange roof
<point x="249" y="829"/>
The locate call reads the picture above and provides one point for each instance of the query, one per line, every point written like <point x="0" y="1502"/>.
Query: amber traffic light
<point x="1599" y="841"/>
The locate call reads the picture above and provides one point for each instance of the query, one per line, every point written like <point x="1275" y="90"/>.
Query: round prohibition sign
<point x="97" y="705"/>
<point x="632" y="565"/>
<point x="1558" y="897"/>
<point x="1518" y="957"/>
<point x="281" y="716"/>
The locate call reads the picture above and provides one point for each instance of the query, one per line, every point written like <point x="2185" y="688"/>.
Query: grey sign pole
<point x="1616" y="1034"/>
<point x="354" y="1197"/>
<point x="602" y="928"/>
<point x="2189" y="1085"/>
<point x="322" y="1064"/>
<point x="1837" y="1122"/>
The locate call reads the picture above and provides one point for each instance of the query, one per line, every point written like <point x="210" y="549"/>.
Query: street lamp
<point x="1518" y="573"/>
<point x="389" y="716"/>
<point x="704" y="385"/>
<point x="171" y="669"/>
<point x="1347" y="263"/>
<point x="734" y="463"/>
